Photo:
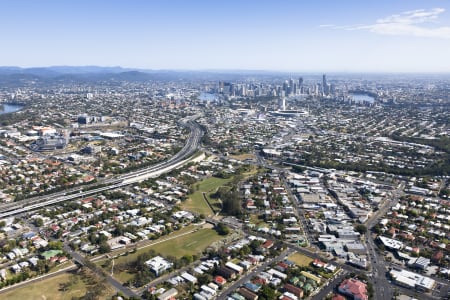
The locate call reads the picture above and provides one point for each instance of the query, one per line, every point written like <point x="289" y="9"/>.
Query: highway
<point x="176" y="161"/>
<point x="179" y="159"/>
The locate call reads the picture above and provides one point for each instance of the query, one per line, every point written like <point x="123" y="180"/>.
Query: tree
<point x="187" y="259"/>
<point x="119" y="229"/>
<point x="204" y="279"/>
<point x="104" y="248"/>
<point x="231" y="203"/>
<point x="222" y="229"/>
<point x="38" y="222"/>
<point x="245" y="250"/>
<point x="57" y="245"/>
<point x="40" y="266"/>
<point x="362" y="229"/>
<point x="267" y="293"/>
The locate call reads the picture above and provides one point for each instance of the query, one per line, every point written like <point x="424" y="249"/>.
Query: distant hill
<point x="59" y="70"/>
<point x="15" y="76"/>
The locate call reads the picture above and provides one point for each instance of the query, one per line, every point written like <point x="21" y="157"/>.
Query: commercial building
<point x="390" y="243"/>
<point x="420" y="263"/>
<point x="412" y="280"/>
<point x="49" y="142"/>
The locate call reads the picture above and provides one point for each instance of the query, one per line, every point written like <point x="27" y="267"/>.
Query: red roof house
<point x="354" y="288"/>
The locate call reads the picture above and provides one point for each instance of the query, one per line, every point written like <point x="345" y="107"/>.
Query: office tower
<point x="285" y="86"/>
<point x="282" y="104"/>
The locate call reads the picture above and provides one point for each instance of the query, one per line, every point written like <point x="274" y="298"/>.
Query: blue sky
<point x="294" y="36"/>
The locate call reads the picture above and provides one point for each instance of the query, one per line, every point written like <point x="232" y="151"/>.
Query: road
<point x="81" y="260"/>
<point x="377" y="262"/>
<point x="176" y="161"/>
<point x="330" y="286"/>
<point x="383" y="289"/>
<point x="179" y="159"/>
<point x="230" y="289"/>
<point x="298" y="213"/>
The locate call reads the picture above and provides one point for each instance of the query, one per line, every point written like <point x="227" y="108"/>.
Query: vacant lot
<point x="300" y="259"/>
<point x="48" y="289"/>
<point x="196" y="201"/>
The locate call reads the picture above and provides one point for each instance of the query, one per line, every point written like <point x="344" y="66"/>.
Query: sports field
<point x="189" y="244"/>
<point x="300" y="259"/>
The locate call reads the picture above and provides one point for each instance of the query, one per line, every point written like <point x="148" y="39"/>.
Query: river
<point x="6" y="108"/>
<point x="361" y="98"/>
<point x="207" y="97"/>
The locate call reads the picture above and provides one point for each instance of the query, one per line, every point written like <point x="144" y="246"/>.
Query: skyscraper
<point x="282" y="104"/>
<point x="325" y="85"/>
<point x="300" y="85"/>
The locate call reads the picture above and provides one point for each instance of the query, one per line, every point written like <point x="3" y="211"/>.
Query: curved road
<point x="179" y="159"/>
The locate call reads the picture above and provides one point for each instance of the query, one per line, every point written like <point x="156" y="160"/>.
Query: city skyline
<point x="349" y="36"/>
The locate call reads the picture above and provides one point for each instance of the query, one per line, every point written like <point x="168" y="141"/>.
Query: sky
<point x="277" y="35"/>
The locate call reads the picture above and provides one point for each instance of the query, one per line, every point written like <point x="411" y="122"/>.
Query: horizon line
<point x="230" y="70"/>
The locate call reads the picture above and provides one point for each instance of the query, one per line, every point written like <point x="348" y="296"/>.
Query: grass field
<point x="300" y="259"/>
<point x="124" y="259"/>
<point x="196" y="202"/>
<point x="123" y="276"/>
<point x="176" y="245"/>
<point x="188" y="244"/>
<point x="47" y="289"/>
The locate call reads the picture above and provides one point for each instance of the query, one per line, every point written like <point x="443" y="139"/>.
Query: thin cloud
<point x="410" y="23"/>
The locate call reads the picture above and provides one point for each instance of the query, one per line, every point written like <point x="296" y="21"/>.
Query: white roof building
<point x="412" y="280"/>
<point x="158" y="264"/>
<point x="189" y="277"/>
<point x="391" y="243"/>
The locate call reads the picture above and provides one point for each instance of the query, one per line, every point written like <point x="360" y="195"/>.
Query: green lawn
<point x="197" y="203"/>
<point x="258" y="222"/>
<point x="48" y="289"/>
<point x="130" y="257"/>
<point x="123" y="276"/>
<point x="190" y="244"/>
<point x="177" y="245"/>
<point x="300" y="259"/>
